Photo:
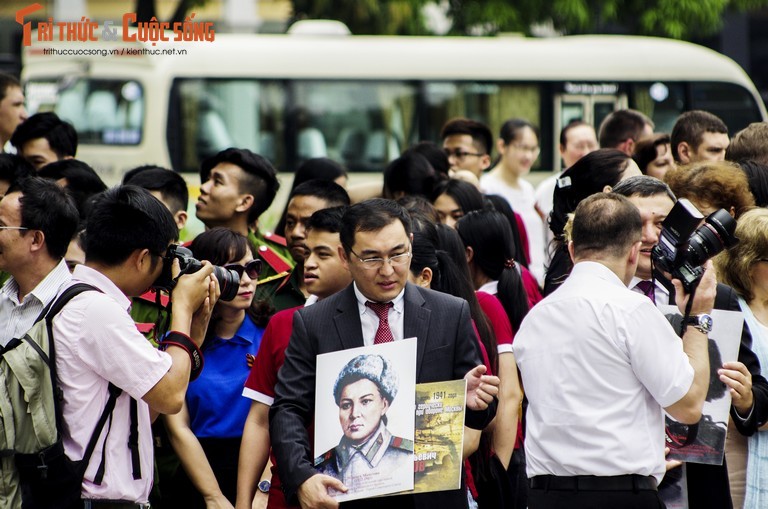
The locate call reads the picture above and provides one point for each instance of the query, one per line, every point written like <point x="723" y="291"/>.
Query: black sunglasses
<point x="252" y="268"/>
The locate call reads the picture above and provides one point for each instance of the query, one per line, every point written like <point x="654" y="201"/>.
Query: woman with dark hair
<point x="532" y="288"/>
<point x="316" y="168"/>
<point x="454" y="198"/>
<point x="447" y="271"/>
<point x="409" y="174"/>
<point x="596" y="172"/>
<point x="206" y="433"/>
<point x="518" y="147"/>
<point x="653" y="155"/>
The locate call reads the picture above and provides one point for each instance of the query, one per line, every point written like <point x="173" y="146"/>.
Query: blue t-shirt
<point x="217" y="408"/>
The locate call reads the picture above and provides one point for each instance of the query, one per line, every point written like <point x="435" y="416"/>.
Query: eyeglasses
<point x="252" y="268"/>
<point x="460" y="154"/>
<point x="526" y="148"/>
<point x="377" y="263"/>
<point x="13" y="228"/>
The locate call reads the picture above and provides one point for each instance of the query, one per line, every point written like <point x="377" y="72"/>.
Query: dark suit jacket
<point x="446" y="350"/>
<point x="708" y="484"/>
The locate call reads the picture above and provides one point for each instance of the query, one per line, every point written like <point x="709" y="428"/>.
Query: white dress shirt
<point x="598" y="364"/>
<point x="370" y="321"/>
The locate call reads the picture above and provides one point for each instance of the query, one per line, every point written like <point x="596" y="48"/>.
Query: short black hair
<point x="434" y="154"/>
<point x="124" y="219"/>
<point x="620" y="125"/>
<point x="691" y="126"/>
<point x="370" y="216"/>
<point x="410" y="174"/>
<point x="605" y="224"/>
<point x="643" y="186"/>
<point x="261" y="177"/>
<point x="481" y="135"/>
<point x="328" y="220"/>
<point x="327" y="190"/>
<point x="47" y="207"/>
<point x="61" y="135"/>
<point x="13" y="168"/>
<point x="168" y="183"/>
<point x="7" y="81"/>
<point x="82" y="181"/>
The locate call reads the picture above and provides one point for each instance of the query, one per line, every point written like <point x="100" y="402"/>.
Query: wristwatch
<point x="265" y="485"/>
<point x="703" y="323"/>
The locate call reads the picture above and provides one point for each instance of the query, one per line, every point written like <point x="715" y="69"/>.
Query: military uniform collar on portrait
<point x="372" y="450"/>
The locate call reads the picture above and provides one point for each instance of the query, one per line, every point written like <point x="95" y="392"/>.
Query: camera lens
<point x="229" y="282"/>
<point x="716" y="234"/>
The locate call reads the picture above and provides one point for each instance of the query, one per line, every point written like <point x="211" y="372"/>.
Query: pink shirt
<point x="97" y="343"/>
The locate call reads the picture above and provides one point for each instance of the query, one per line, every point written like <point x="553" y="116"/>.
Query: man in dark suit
<point x="380" y="306"/>
<point x="707" y="484"/>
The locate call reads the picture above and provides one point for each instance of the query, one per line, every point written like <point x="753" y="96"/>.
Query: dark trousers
<point x="551" y="499"/>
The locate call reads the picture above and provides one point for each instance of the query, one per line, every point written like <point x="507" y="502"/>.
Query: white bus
<point x="362" y="100"/>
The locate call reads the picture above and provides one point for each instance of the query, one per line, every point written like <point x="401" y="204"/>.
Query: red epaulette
<point x="144" y="328"/>
<point x="151" y="296"/>
<point x="187" y="244"/>
<point x="277" y="239"/>
<point x="273" y="259"/>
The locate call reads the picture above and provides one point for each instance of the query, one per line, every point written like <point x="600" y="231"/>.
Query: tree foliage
<point x="681" y="19"/>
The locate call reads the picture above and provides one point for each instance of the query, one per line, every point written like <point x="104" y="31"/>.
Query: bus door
<point x="588" y="102"/>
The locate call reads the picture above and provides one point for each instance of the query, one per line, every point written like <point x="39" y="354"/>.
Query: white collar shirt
<point x="491" y="287"/>
<point x="97" y="343"/>
<point x="370" y="321"/>
<point x="599" y="363"/>
<point x="17" y="317"/>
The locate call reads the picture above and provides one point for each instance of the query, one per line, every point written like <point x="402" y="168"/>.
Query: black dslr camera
<point x="229" y="280"/>
<point x="683" y="248"/>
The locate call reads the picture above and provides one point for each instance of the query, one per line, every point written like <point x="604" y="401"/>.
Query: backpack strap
<point x="109" y="407"/>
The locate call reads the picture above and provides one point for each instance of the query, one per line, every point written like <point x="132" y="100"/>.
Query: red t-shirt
<point x="499" y="320"/>
<point x="261" y="382"/>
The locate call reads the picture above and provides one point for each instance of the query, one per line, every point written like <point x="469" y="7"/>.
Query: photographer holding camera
<point x="98" y="346"/>
<point x="599" y="364"/>
<point x="707" y="484"/>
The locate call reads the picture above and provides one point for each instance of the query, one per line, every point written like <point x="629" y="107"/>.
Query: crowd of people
<point x="542" y="298"/>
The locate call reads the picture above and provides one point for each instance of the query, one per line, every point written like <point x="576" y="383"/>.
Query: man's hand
<point x="313" y="493"/>
<point x="481" y="388"/>
<point x="739" y="380"/>
<point x="202" y="315"/>
<point x="670" y="464"/>
<point x="704" y="298"/>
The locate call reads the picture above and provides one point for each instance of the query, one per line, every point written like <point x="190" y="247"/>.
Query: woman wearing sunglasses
<point x="206" y="433"/>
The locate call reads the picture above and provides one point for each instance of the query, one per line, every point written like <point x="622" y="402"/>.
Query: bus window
<point x="104" y="112"/>
<point x="216" y="114"/>
<point x="363" y="125"/>
<point x="732" y="103"/>
<point x="662" y="102"/>
<point x="490" y="103"/>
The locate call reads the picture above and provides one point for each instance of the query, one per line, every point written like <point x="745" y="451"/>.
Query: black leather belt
<point x="112" y="504"/>
<point x="631" y="482"/>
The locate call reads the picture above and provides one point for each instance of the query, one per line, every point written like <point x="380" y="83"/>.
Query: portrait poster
<point x="364" y="418"/>
<point x="708" y="446"/>
<point x="440" y="408"/>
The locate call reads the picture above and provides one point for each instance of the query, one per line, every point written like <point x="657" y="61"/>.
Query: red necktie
<point x="648" y="289"/>
<point x="383" y="333"/>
